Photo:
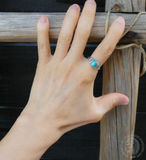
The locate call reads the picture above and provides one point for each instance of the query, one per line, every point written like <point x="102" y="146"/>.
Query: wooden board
<point x="16" y="27"/>
<point x="120" y="74"/>
<point x="125" y="5"/>
<point x="19" y="61"/>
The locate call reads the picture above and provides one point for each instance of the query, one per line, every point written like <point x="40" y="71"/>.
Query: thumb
<point x="109" y="101"/>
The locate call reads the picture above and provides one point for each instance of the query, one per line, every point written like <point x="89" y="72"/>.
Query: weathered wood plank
<point x="22" y="27"/>
<point x="125" y="5"/>
<point x="120" y="74"/>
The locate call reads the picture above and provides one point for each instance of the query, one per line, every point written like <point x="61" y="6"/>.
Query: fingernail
<point x="124" y="101"/>
<point x="91" y="2"/>
<point x="43" y="19"/>
<point x="119" y="20"/>
<point x="75" y="6"/>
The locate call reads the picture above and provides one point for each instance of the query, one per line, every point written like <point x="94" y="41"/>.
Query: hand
<point x="61" y="97"/>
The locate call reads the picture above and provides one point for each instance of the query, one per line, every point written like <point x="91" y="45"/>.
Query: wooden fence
<point x="120" y="72"/>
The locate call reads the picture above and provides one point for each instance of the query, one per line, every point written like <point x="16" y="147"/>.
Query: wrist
<point x="24" y="140"/>
<point x="42" y="124"/>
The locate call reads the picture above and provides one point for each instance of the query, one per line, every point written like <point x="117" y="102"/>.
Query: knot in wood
<point x="116" y="8"/>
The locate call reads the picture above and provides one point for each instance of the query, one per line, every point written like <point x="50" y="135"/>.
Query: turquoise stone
<point x="94" y="63"/>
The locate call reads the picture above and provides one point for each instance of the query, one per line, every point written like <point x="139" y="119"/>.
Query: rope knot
<point x="132" y="44"/>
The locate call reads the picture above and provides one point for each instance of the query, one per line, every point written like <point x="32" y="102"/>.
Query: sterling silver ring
<point x="94" y="63"/>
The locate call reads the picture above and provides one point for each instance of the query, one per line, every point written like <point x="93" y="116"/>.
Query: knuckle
<point x="65" y="38"/>
<point x="42" y="30"/>
<point x="85" y="80"/>
<point x="89" y="12"/>
<point x="88" y="74"/>
<point x="114" y="101"/>
<point x="81" y="35"/>
<point x="97" y="116"/>
<point x="106" y="49"/>
<point x="43" y="46"/>
<point x="91" y="76"/>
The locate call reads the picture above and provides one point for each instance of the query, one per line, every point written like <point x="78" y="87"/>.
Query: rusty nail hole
<point x="117" y="8"/>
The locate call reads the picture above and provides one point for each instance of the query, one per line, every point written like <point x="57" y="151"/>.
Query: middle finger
<point x="66" y="33"/>
<point x="83" y="29"/>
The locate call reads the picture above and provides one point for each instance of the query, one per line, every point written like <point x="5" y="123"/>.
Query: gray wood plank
<point x="120" y="74"/>
<point x="22" y="27"/>
<point x="125" y="5"/>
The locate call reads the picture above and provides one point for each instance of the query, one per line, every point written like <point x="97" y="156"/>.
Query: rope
<point x="132" y="44"/>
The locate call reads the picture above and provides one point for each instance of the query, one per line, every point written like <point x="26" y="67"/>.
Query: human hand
<point x="61" y="97"/>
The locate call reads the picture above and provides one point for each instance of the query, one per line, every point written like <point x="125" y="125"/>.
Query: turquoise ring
<point x="94" y="63"/>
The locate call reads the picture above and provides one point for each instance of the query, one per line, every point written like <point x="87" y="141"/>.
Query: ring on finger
<point x="94" y="63"/>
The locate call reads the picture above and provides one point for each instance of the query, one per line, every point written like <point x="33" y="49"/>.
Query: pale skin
<point x="61" y="97"/>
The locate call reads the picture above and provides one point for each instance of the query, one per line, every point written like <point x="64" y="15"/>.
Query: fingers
<point x="44" y="51"/>
<point x="83" y="29"/>
<point x="107" y="46"/>
<point x="107" y="102"/>
<point x="67" y="31"/>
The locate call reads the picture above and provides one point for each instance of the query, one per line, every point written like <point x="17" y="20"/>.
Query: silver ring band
<point x="94" y="63"/>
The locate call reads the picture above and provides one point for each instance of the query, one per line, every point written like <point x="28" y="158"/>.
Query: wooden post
<point x="120" y="74"/>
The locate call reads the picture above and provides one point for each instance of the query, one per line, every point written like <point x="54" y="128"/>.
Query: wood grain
<point x="22" y="27"/>
<point x="120" y="74"/>
<point x="125" y="5"/>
